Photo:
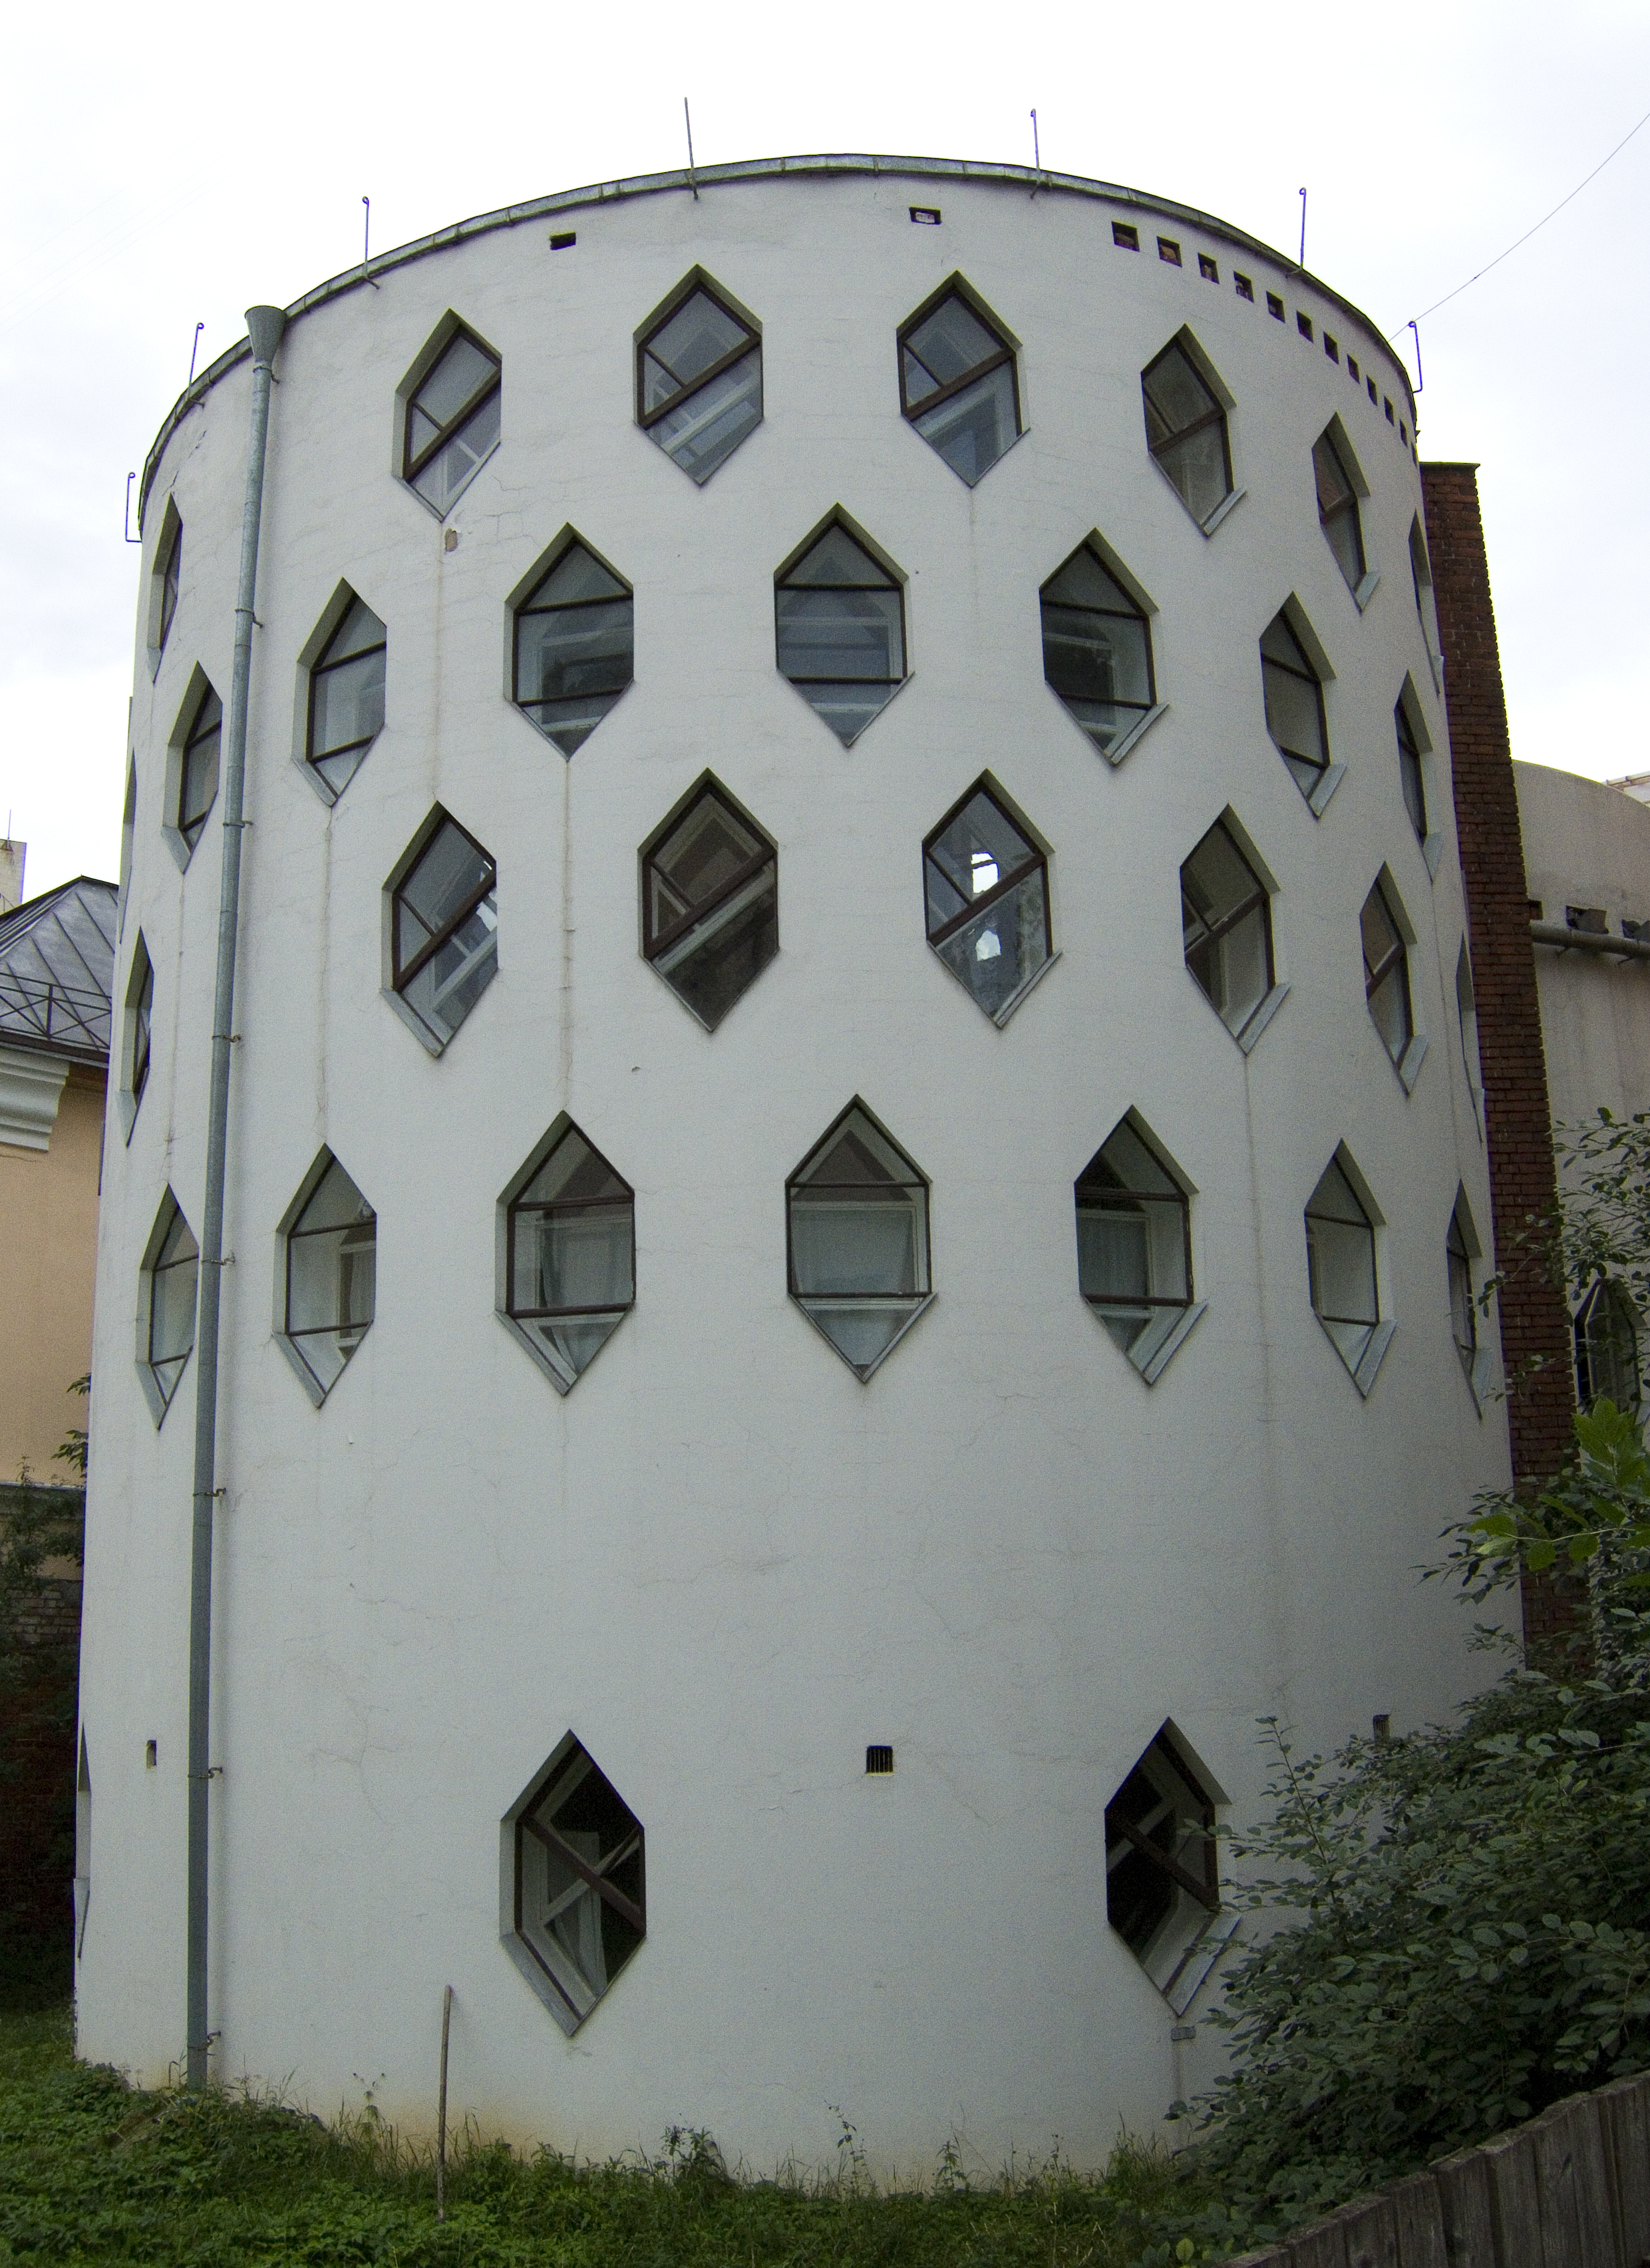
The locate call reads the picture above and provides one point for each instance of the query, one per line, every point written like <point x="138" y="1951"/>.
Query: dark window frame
<point x="191" y="825"/>
<point x="691" y="287"/>
<point x="143" y="1029"/>
<point x="1207" y="1891"/>
<point x="524" y="610"/>
<point x="1135" y="613"/>
<point x="1345" y="512"/>
<point x="415" y="461"/>
<point x="1365" y="1226"/>
<point x="1212" y="932"/>
<point x="1100" y="1197"/>
<point x="553" y="1208"/>
<point x="354" y="1236"/>
<point x="403" y="973"/>
<point x="168" y="577"/>
<point x="1035" y="862"/>
<point x="893" y="581"/>
<point x="922" y="1296"/>
<point x="1458" y="1266"/>
<point x="523" y="1823"/>
<point x="1411" y="777"/>
<point x="1376" y="974"/>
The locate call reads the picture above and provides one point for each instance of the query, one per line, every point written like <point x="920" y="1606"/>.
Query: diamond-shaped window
<point x="566" y="1226"/>
<point x="330" y="1240"/>
<point x="958" y="381"/>
<point x="574" y="642"/>
<point x="986" y="886"/>
<point x="841" y="624"/>
<point x="572" y="1883"/>
<point x="443" y="943"/>
<point x="857" y="1216"/>
<point x="699" y="376"/>
<point x="709" y="901"/>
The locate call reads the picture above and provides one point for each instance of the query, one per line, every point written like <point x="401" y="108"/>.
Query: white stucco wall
<point x="722" y="1561"/>
<point x="1587" y="844"/>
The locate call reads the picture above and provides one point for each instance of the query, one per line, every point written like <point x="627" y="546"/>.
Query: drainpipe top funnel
<point x="264" y="327"/>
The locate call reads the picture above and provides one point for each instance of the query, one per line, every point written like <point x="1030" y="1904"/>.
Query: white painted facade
<point x="722" y="1560"/>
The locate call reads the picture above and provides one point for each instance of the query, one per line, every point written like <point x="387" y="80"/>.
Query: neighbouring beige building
<point x="57" y="967"/>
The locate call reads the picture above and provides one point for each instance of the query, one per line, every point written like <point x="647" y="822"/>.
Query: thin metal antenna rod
<point x="1037" y="153"/>
<point x="1302" y="261"/>
<point x="130" y="538"/>
<point x="195" y="350"/>
<point x="366" y="231"/>
<point x="687" y="119"/>
<point x="1413" y="326"/>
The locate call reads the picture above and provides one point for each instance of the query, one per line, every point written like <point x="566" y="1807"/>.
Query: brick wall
<point x="1536" y="1342"/>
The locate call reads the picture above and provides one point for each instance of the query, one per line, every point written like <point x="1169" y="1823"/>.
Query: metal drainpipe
<point x="264" y="325"/>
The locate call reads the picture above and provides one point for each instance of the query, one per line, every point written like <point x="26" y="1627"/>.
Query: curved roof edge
<point x="753" y="169"/>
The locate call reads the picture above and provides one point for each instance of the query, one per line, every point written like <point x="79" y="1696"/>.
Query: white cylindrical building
<point x="899" y="863"/>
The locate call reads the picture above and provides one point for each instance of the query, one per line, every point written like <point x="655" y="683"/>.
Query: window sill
<point x="1364" y="1372"/>
<point x="1433" y="851"/>
<point x="1031" y="984"/>
<point x="1158" y="1361"/>
<point x="1261" y="1017"/>
<point x="1228" y="504"/>
<point x="1408" y="1065"/>
<point x="1366" y="589"/>
<point x="1318" y="802"/>
<point x="1131" y="739"/>
<point x="866" y="1375"/>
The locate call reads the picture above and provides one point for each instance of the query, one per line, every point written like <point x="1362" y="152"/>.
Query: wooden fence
<point x="1571" y="2190"/>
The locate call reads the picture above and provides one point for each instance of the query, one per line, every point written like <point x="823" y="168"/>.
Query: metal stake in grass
<point x="441" y="2107"/>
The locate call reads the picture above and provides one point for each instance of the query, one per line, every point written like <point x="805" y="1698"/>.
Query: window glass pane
<point x="707" y="425"/>
<point x="563" y="653"/>
<point x="1379" y="931"/>
<point x="1295" y="716"/>
<point x="1176" y="393"/>
<point x="440" y="481"/>
<point x="573" y="1173"/>
<point x="1083" y="582"/>
<point x="862" y="1240"/>
<point x="841" y="634"/>
<point x="1410" y="774"/>
<point x="703" y="867"/>
<point x="1334" y="490"/>
<point x="1462" y="1310"/>
<point x="172" y="1295"/>
<point x="952" y="341"/>
<point x="1346" y="541"/>
<point x="1196" y="466"/>
<point x="978" y="849"/>
<point x="1278" y="643"/>
<point x="577" y="576"/>
<point x="836" y="559"/>
<point x="1003" y="949"/>
<point x="449" y="869"/>
<point x="1340" y="1263"/>
<point x="457" y="973"/>
<point x="1098" y="662"/>
<point x="699" y="857"/>
<point x="359" y="629"/>
<point x="345" y="704"/>
<point x="459" y="371"/>
<point x="579" y="1257"/>
<point x="698" y="334"/>
<point x="972" y="428"/>
<point x="580" y="1829"/>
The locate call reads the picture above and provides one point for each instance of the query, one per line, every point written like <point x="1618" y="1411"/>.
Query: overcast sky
<point x="171" y="164"/>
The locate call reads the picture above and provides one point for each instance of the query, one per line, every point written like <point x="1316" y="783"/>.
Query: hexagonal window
<point x="566" y="1254"/>
<point x="958" y="381"/>
<point x="328" y="1241"/>
<point x="857" y="1235"/>
<point x="572" y="1883"/>
<point x="441" y="929"/>
<point x="572" y="641"/>
<point x="193" y="756"/>
<point x="1098" y="647"/>
<point x="1134" y="1246"/>
<point x="985" y="883"/>
<point x="839" y="613"/>
<point x="344" y="661"/>
<point x="1342" y="1277"/>
<point x="698" y="375"/>
<point x="1163" y="1878"/>
<point x="709" y="901"/>
<point x="1226" y="930"/>
<point x="1293" y="671"/>
<point x="171" y="1271"/>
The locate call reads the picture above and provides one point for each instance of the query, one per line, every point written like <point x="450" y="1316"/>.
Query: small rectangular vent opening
<point x="926" y="216"/>
<point x="1274" y="307"/>
<point x="150" y="1755"/>
<point x="1125" y="235"/>
<point x="1169" y="250"/>
<point x="879" y="1760"/>
<point x="564" y="243"/>
<point x="1207" y="268"/>
<point x="1243" y="286"/>
<point x="1303" y="324"/>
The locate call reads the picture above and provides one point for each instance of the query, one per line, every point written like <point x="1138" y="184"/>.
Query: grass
<point x="91" y="2170"/>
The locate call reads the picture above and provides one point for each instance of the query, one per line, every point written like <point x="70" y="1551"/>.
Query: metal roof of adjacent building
<point x="57" y="971"/>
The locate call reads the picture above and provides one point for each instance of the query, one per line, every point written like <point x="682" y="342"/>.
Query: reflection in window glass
<point x="452" y="420"/>
<point x="957" y="385"/>
<point x="710" y="904"/>
<point x="168" y="572"/>
<point x="1293" y="696"/>
<point x="986" y="886"/>
<point x="143" y="998"/>
<point x="445" y="933"/>
<point x="1410" y="775"/>
<point x="1607" y="1358"/>
<point x="1386" y="974"/>
<point x="1133" y="1241"/>
<point x="172" y="1275"/>
<point x="841" y="631"/>
<point x="574" y="647"/>
<point x="1463" y="1315"/>
<point x="1097" y="649"/>
<point x="580" y="1882"/>
<point x="197" y="772"/>
<point x="857" y="1214"/>
<point x="332" y="1274"/>
<point x="347" y="696"/>
<point x="1186" y="430"/>
<point x="1226" y="925"/>
<point x="698" y="383"/>
<point x="1337" y="508"/>
<point x="1163" y="1887"/>
<point x="572" y="1250"/>
<point x="1340" y="1259"/>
